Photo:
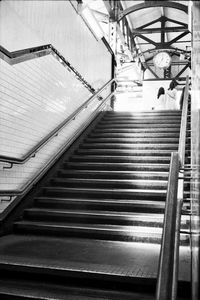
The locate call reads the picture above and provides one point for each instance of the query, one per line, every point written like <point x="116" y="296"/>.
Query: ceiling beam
<point x="183" y="70"/>
<point x="178" y="42"/>
<point x="147" y="67"/>
<point x="147" y="39"/>
<point x="180" y="36"/>
<point x="150" y="23"/>
<point x="176" y="22"/>
<point x="149" y="4"/>
<point x="158" y="30"/>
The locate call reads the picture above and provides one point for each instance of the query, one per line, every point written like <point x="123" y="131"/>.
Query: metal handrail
<point x="33" y="181"/>
<point x="19" y="56"/>
<point x="182" y="137"/>
<point x="169" y="255"/>
<point x="166" y="261"/>
<point x="53" y="133"/>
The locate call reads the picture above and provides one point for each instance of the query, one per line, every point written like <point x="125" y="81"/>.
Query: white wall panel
<point x="27" y="24"/>
<point x="37" y="95"/>
<point x="19" y="175"/>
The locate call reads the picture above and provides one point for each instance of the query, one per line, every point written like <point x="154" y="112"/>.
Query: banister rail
<point x="165" y="271"/>
<point x="182" y="137"/>
<point x="19" y="56"/>
<point x="28" y="185"/>
<point x="54" y="132"/>
<point x="169" y="255"/>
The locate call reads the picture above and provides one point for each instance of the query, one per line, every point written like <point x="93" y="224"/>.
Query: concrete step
<point x="93" y="231"/>
<point x="109" y="183"/>
<point x="144" y="113"/>
<point x="94" y="217"/>
<point x="111" y="174"/>
<point x="122" y="152"/>
<point x="151" y="194"/>
<point x="23" y="288"/>
<point x="138" y="131"/>
<point x="134" y="134"/>
<point x="132" y="140"/>
<point x="130" y="146"/>
<point x="140" y="117"/>
<point x="137" y="234"/>
<point x="99" y="217"/>
<point x="147" y="122"/>
<point x="139" y="125"/>
<point x="116" y="166"/>
<point x="120" y="159"/>
<point x="118" y="205"/>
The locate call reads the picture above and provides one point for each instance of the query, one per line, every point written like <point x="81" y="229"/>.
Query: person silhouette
<point x="161" y="99"/>
<point x="171" y="96"/>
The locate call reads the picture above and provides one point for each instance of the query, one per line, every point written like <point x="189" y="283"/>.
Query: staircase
<point x="95" y="226"/>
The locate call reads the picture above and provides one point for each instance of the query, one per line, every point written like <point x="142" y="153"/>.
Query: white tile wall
<point x="37" y="95"/>
<point x="25" y="24"/>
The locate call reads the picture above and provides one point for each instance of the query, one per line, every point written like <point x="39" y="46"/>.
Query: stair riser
<point x="93" y="218"/>
<point x="98" y="175"/>
<point x="101" y="194"/>
<point x="133" y="140"/>
<point x="124" y="185"/>
<point x="124" y="159"/>
<point x="90" y="219"/>
<point x="148" y="122"/>
<point x="139" y="131"/>
<point x="147" y="117"/>
<point x="139" y="237"/>
<point x="134" y="126"/>
<point x="172" y="147"/>
<point x="80" y="280"/>
<point x="90" y="234"/>
<point x="151" y="208"/>
<point x="116" y="167"/>
<point x="134" y="135"/>
<point x="123" y="152"/>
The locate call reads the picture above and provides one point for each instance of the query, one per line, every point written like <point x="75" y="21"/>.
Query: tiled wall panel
<point x="25" y="24"/>
<point x="39" y="94"/>
<point x="19" y="175"/>
<point x="36" y="96"/>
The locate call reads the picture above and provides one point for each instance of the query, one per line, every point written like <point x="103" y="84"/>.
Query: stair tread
<point x="102" y="227"/>
<point x="124" y="151"/>
<point x="133" y="139"/>
<point x="76" y="254"/>
<point x="120" y="158"/>
<point x="156" y="217"/>
<point x="110" y="172"/>
<point x="105" y="180"/>
<point x="32" y="290"/>
<point x="79" y="173"/>
<point x="138" y="191"/>
<point x="104" y="200"/>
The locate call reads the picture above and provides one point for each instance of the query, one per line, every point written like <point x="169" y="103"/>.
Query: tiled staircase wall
<point x="37" y="95"/>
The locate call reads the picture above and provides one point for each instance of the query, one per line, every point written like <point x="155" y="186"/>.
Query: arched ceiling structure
<point x="145" y="28"/>
<point x="154" y="26"/>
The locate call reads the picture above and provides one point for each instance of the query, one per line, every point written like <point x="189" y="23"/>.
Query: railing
<point x="28" y="185"/>
<point x="169" y="255"/>
<point x="16" y="57"/>
<point x="165" y="271"/>
<point x="182" y="137"/>
<point x="32" y="152"/>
